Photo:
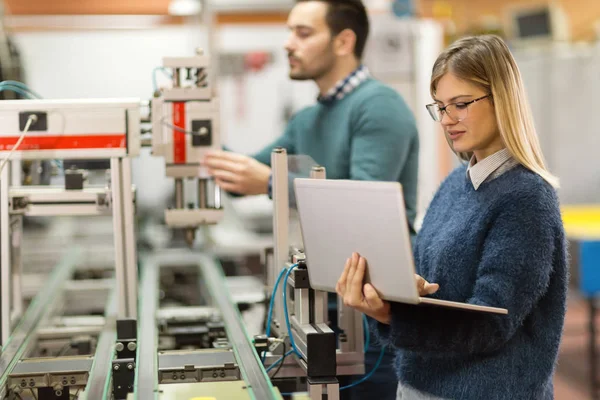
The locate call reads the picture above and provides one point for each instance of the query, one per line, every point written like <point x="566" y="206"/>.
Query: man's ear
<point x="345" y="42"/>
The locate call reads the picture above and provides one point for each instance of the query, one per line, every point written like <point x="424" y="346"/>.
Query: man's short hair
<point x="347" y="14"/>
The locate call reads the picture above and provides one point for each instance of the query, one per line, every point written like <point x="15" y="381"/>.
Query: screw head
<point x="131" y="346"/>
<point x="119" y="346"/>
<point x="130" y="366"/>
<point x="116" y="367"/>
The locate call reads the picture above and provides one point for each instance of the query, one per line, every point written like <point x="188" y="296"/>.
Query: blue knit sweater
<point x="502" y="246"/>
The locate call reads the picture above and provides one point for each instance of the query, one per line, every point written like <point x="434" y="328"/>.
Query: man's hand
<point x="363" y="298"/>
<point x="425" y="287"/>
<point x="238" y="173"/>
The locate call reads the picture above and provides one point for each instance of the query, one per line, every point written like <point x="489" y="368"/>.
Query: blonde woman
<point x="492" y="236"/>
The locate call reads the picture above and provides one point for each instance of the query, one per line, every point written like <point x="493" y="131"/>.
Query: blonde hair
<point x="487" y="62"/>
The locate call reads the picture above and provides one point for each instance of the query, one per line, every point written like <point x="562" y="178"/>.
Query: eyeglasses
<point x="456" y="111"/>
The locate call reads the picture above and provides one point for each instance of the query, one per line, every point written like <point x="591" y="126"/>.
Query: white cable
<point x="30" y="121"/>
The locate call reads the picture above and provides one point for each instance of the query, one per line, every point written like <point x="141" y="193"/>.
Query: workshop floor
<point x="572" y="381"/>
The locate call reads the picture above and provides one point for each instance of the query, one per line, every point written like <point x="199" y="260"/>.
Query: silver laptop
<point x="339" y="217"/>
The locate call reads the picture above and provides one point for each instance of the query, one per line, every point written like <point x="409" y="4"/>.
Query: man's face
<point x="309" y="47"/>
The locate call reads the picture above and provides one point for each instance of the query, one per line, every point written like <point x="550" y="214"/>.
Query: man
<point x="359" y="129"/>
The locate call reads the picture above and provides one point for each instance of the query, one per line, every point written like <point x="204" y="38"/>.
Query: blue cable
<point x="16" y="90"/>
<point x="22" y="86"/>
<point x="163" y="69"/>
<point x="271" y="305"/>
<point x="285" y="310"/>
<point x="295" y="350"/>
<point x="272" y="302"/>
<point x="369" y="375"/>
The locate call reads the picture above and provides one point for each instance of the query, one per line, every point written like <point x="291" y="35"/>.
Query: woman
<point x="492" y="236"/>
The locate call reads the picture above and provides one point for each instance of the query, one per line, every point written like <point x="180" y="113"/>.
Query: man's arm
<point x="239" y="174"/>
<point x="286" y="141"/>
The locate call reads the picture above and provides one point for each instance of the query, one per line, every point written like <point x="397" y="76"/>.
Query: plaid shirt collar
<point x="345" y="86"/>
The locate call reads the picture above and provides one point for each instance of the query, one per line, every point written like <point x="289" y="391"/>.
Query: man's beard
<point x="323" y="69"/>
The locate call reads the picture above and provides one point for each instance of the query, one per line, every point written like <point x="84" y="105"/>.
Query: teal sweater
<point x="368" y="135"/>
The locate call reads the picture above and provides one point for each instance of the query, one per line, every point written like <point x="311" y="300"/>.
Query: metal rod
<point x="146" y="381"/>
<point x="17" y="266"/>
<point x="218" y="204"/>
<point x="179" y="193"/>
<point x="281" y="217"/>
<point x="5" y="273"/>
<point x="320" y="297"/>
<point x="317" y="172"/>
<point x="175" y="77"/>
<point x="250" y="365"/>
<point x="129" y="239"/>
<point x="118" y="229"/>
<point x="202" y="193"/>
<point x="104" y="353"/>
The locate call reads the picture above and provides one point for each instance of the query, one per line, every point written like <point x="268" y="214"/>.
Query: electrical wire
<point x="285" y="309"/>
<point x="21" y="86"/>
<point x="272" y="302"/>
<point x="278" y="363"/>
<point x="164" y="70"/>
<point x="31" y="120"/>
<point x="369" y="375"/>
<point x="33" y="394"/>
<point x="16" y="90"/>
<point x="272" y="305"/>
<point x="19" y="396"/>
<point x="178" y="129"/>
<point x="294" y="348"/>
<point x="365" y="378"/>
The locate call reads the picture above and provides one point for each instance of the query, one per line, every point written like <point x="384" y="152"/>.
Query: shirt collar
<point x="478" y="172"/>
<point x="345" y="86"/>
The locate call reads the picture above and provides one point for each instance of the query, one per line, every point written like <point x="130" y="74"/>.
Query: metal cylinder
<point x="190" y="236"/>
<point x="175" y="77"/>
<point x="178" y="193"/>
<point x="201" y="77"/>
<point x="317" y="172"/>
<point x="218" y="204"/>
<point x="202" y="193"/>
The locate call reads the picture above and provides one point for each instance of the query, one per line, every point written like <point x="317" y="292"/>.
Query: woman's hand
<point x="363" y="298"/>
<point x="425" y="287"/>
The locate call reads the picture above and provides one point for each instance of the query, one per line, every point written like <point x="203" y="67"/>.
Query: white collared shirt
<point x="490" y="167"/>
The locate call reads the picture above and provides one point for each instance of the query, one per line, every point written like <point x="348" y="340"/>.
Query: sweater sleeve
<point x="383" y="135"/>
<point x="514" y="273"/>
<point x="286" y="141"/>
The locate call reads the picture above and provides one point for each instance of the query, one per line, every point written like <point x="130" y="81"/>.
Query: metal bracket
<point x="123" y="377"/>
<point x="18" y="205"/>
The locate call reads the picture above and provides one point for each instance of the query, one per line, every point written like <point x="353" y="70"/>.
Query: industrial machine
<point x="185" y="124"/>
<point x="108" y="323"/>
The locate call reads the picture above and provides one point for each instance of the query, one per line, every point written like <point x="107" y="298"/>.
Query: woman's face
<point x="469" y="127"/>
